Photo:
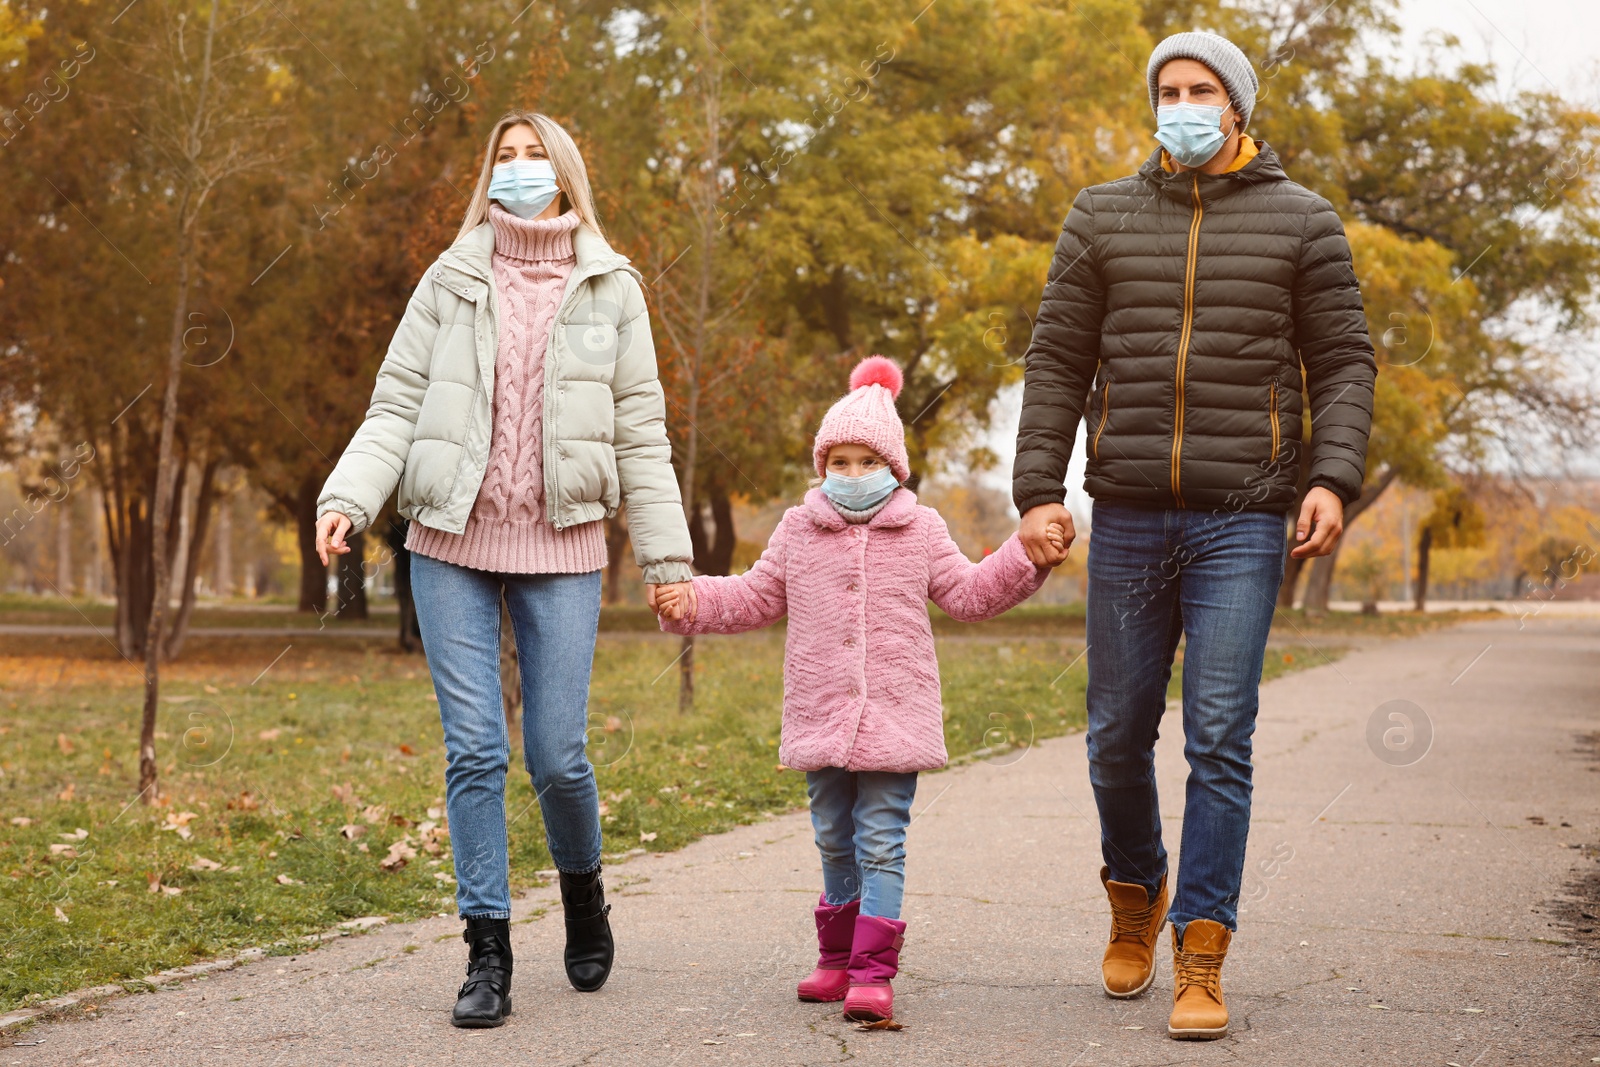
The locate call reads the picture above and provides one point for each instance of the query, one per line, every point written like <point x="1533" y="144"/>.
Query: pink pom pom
<point x="877" y="370"/>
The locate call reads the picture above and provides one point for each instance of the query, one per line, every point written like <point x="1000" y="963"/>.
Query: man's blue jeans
<point x="1211" y="577"/>
<point x="860" y="819"/>
<point x="555" y="618"/>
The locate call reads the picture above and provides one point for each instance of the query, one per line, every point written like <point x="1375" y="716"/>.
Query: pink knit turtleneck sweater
<point x="508" y="531"/>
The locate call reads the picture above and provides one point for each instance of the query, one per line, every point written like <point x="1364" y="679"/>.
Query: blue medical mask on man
<point x="862" y="491"/>
<point x="524" y="187"/>
<point x="1191" y="133"/>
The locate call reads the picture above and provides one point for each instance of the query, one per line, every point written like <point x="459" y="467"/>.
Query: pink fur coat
<point x="860" y="678"/>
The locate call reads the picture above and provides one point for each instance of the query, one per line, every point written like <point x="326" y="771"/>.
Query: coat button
<point x="849" y="642"/>
<point x="854" y="691"/>
<point x="851" y="587"/>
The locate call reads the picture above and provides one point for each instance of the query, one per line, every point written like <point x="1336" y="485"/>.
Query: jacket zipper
<point x="1277" y="434"/>
<point x="1105" y="412"/>
<point x="1190" y="264"/>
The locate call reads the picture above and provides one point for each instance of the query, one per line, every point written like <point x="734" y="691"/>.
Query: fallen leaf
<point x="350" y="831"/>
<point x="444" y="876"/>
<point x="180" y="818"/>
<point x="64" y="744"/>
<point x="61" y="916"/>
<point x="66" y="851"/>
<point x="68" y="793"/>
<point x="345" y="794"/>
<point x="77" y="835"/>
<point x="21" y="820"/>
<point x="400" y="853"/>
<point x="882" y="1024"/>
<point x="213" y="690"/>
<point x="651" y="836"/>
<point x="1379" y="1007"/>
<point x="202" y="864"/>
<point x="270" y="735"/>
<point x="171" y="890"/>
<point x="284" y="879"/>
<point x="613" y="724"/>
<point x="435" y="813"/>
<point x="407" y="750"/>
<point x="245" y="801"/>
<point x="400" y="820"/>
<point x="373" y="813"/>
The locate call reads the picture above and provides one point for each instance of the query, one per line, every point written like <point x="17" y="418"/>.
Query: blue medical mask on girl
<point x="524" y="187"/>
<point x="862" y="491"/>
<point x="1191" y="133"/>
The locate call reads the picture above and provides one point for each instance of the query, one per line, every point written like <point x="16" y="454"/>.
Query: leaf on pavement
<point x="882" y="1024"/>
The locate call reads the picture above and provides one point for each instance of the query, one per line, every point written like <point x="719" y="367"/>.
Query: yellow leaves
<point x="400" y="853"/>
<point x="64" y="744"/>
<point x="178" y="822"/>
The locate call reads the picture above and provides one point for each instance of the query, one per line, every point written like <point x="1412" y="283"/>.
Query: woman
<point x="517" y="406"/>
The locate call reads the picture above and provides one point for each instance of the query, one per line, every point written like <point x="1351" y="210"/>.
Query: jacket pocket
<point x="1277" y="428"/>
<point x="1105" y="413"/>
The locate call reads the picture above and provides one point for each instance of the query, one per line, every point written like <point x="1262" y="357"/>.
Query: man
<point x="1186" y="308"/>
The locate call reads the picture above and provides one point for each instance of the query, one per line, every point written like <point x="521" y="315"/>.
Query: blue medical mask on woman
<point x="862" y="491"/>
<point x="524" y="187"/>
<point x="1191" y="133"/>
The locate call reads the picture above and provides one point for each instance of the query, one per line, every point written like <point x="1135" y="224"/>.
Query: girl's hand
<point x="331" y="528"/>
<point x="1056" y="534"/>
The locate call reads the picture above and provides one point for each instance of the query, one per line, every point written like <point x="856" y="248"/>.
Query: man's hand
<point x="1042" y="549"/>
<point x="1320" y="525"/>
<point x="331" y="528"/>
<point x="675" y="601"/>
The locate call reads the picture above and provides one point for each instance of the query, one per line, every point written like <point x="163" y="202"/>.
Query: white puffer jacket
<point x="605" y="440"/>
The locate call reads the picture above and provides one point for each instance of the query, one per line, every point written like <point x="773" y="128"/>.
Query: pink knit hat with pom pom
<point x="866" y="416"/>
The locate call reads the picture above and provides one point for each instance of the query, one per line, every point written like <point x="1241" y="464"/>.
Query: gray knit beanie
<point x="1221" y="55"/>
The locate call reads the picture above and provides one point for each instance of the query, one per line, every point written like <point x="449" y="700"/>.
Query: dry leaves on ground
<point x="400" y="854"/>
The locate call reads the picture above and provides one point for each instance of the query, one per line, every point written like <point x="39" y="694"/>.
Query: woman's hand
<point x="331" y="528"/>
<point x="675" y="601"/>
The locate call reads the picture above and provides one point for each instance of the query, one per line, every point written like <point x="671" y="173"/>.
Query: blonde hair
<point x="571" y="175"/>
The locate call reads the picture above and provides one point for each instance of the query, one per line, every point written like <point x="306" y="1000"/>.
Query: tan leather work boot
<point x="1130" y="961"/>
<point x="1198" y="1012"/>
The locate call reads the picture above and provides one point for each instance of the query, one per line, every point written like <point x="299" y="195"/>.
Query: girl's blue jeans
<point x="860" y="818"/>
<point x="555" y="618"/>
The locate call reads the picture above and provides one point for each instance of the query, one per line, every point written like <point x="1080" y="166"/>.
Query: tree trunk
<point x="510" y="672"/>
<point x="313" y="573"/>
<point x="1424" y="549"/>
<point x="64" y="546"/>
<point x="1320" y="582"/>
<point x="200" y="523"/>
<point x="1292" y="569"/>
<point x="717" y="557"/>
<point x="352" y="579"/>
<point x="222" y="579"/>
<point x="616" y="541"/>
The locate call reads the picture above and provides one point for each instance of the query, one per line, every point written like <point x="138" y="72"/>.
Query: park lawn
<point x="290" y="768"/>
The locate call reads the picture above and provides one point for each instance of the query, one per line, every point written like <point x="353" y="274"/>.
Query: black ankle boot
<point x="589" y="945"/>
<point x="485" y="997"/>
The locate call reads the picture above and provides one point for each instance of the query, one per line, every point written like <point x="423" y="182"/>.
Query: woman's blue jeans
<point x="860" y="819"/>
<point x="555" y="618"/>
<point x="1155" y="576"/>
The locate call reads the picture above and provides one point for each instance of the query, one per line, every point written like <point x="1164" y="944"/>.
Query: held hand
<point x="1320" y="525"/>
<point x="331" y="528"/>
<point x="1035" y="538"/>
<point x="675" y="601"/>
<point x="1056" y="534"/>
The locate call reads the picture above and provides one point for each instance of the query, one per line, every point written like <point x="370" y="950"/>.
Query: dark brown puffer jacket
<point x="1179" y="312"/>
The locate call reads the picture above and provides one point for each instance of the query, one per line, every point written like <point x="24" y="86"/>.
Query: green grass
<point x="333" y="734"/>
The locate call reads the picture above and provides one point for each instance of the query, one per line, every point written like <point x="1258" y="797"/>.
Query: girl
<point x="853" y="568"/>
<point x="517" y="406"/>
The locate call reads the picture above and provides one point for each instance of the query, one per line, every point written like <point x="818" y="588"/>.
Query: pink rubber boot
<point x="836" y="927"/>
<point x="874" y="961"/>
